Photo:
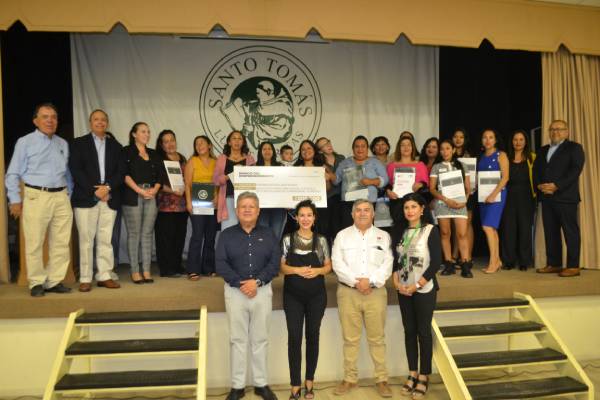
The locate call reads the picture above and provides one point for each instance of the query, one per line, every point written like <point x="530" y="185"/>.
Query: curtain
<point x="571" y="91"/>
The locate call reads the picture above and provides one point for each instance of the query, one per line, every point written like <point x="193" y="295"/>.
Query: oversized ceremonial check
<point x="281" y="187"/>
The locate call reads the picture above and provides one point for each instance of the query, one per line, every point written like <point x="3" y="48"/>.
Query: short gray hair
<point x="247" y="195"/>
<point x="359" y="202"/>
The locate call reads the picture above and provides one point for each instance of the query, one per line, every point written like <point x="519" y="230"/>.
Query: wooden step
<point x="138" y="317"/>
<point x="132" y="346"/>
<point x="127" y="379"/>
<point x="469" y="305"/>
<point x="505" y="358"/>
<point x="526" y="389"/>
<point x="490" y="329"/>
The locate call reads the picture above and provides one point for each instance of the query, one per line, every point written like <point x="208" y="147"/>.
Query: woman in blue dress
<point x="490" y="211"/>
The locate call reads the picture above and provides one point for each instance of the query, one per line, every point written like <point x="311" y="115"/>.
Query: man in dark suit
<point x="556" y="173"/>
<point x="98" y="176"/>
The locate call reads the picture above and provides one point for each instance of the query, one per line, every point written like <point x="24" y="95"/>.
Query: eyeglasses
<point x="557" y="129"/>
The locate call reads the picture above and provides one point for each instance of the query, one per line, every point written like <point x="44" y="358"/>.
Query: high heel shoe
<point x="308" y="393"/>
<point x="490" y="271"/>
<point x="407" y="389"/>
<point x="420" y="393"/>
<point x="136" y="281"/>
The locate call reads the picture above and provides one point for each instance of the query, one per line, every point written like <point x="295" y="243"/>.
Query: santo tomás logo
<point x="264" y="92"/>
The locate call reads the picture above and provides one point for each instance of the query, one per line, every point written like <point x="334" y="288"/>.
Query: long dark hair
<point x="454" y="160"/>
<point x="260" y="159"/>
<point x="423" y="155"/>
<point x="420" y="200"/>
<point x="526" y="149"/>
<point x="499" y="144"/>
<point x="317" y="158"/>
<point x="207" y="140"/>
<point x="133" y="130"/>
<point x="159" y="149"/>
<point x="465" y="148"/>
<point x="227" y="148"/>
<point x="307" y="204"/>
<point x="377" y="140"/>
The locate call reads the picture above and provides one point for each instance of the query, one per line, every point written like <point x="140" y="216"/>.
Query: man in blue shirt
<point x="248" y="258"/>
<point x="40" y="161"/>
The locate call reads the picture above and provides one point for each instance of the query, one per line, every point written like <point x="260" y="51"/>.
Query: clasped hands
<point x="102" y="192"/>
<point x="363" y="285"/>
<point x="405" y="290"/>
<point x="149" y="193"/>
<point x="249" y="287"/>
<point x="307" y="272"/>
<point x="547" y="188"/>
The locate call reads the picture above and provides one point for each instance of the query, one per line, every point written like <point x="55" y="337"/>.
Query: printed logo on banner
<point x="264" y="92"/>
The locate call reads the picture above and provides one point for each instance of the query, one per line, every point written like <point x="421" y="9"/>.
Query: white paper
<point x="404" y="179"/>
<point x="352" y="195"/>
<point x="487" y="182"/>
<point x="175" y="175"/>
<point x="452" y="184"/>
<point x="280" y="187"/>
<point x="470" y="167"/>
<point x="382" y="213"/>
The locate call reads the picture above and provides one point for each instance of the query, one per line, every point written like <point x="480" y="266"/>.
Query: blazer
<point x="85" y="169"/>
<point x="563" y="170"/>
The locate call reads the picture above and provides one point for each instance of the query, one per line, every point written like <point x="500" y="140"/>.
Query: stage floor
<point x="180" y="293"/>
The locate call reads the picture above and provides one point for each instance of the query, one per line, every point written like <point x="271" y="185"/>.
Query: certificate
<point x="470" y="167"/>
<point x="355" y="190"/>
<point x="280" y="187"/>
<point x="487" y="182"/>
<point x="382" y="213"/>
<point x="175" y="175"/>
<point x="203" y="195"/>
<point x="452" y="184"/>
<point x="404" y="179"/>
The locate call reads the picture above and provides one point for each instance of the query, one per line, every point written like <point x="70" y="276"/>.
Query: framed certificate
<point x="175" y="175"/>
<point x="203" y="195"/>
<point x="281" y="187"/>
<point x="404" y="179"/>
<point x="486" y="183"/>
<point x="351" y="180"/>
<point x="452" y="185"/>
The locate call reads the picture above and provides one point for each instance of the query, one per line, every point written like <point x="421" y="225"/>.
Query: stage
<point x="180" y="293"/>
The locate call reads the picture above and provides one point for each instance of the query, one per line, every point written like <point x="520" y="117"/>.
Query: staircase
<point x="75" y="345"/>
<point x="526" y="324"/>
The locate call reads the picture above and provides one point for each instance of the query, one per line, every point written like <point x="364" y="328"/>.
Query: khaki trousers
<point x="356" y="309"/>
<point x="46" y="212"/>
<point x="95" y="223"/>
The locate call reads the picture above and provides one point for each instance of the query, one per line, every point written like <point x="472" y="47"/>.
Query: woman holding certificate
<point x="171" y="221"/>
<point x="272" y="218"/>
<point x="492" y="175"/>
<point x="450" y="188"/>
<point x="517" y="218"/>
<point x="417" y="250"/>
<point x="142" y="181"/>
<point x="331" y="220"/>
<point x="304" y="262"/>
<point x="406" y="175"/>
<point x="199" y="172"/>
<point x="235" y="152"/>
<point x="361" y="176"/>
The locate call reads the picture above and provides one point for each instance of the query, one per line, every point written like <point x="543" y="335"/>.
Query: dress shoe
<point x="235" y="394"/>
<point x="37" y="291"/>
<point x="548" y="270"/>
<point x="383" y="389"/>
<point x="109" y="284"/>
<point x="523" y="268"/>
<point x="148" y="280"/>
<point x="85" y="287"/>
<point x="343" y="387"/>
<point x="465" y="269"/>
<point x="265" y="392"/>
<point x="60" y="288"/>
<point x="568" y="272"/>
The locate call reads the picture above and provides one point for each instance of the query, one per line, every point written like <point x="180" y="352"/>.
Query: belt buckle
<point x="44" y="189"/>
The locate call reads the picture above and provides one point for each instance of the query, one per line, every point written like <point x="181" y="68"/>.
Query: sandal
<point x="308" y="393"/>
<point x="407" y="389"/>
<point x="420" y="393"/>
<point x="295" y="396"/>
<point x="193" y="276"/>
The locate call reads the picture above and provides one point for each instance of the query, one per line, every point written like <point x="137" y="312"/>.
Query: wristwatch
<point x="418" y="285"/>
<point x="259" y="283"/>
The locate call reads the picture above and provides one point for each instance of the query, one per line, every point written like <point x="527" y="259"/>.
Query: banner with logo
<point x="277" y="91"/>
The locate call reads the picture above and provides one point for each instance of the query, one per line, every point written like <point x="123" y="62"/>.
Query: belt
<point x="354" y="287"/>
<point x="45" y="189"/>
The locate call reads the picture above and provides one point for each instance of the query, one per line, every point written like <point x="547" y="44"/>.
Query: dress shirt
<point x="100" y="144"/>
<point x="551" y="149"/>
<point x="356" y="255"/>
<point x="38" y="160"/>
<point x="372" y="168"/>
<point x="241" y="255"/>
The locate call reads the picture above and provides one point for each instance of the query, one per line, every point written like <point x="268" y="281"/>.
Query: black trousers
<point x="169" y="234"/>
<point x="557" y="216"/>
<point x="201" y="250"/>
<point x="299" y="308"/>
<point x="329" y="221"/>
<point x="417" y="312"/>
<point x="516" y="235"/>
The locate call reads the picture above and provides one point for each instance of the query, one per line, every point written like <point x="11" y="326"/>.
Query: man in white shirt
<point x="362" y="259"/>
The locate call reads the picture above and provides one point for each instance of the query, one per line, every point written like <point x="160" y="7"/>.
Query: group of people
<point x="363" y="257"/>
<point x="99" y="182"/>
